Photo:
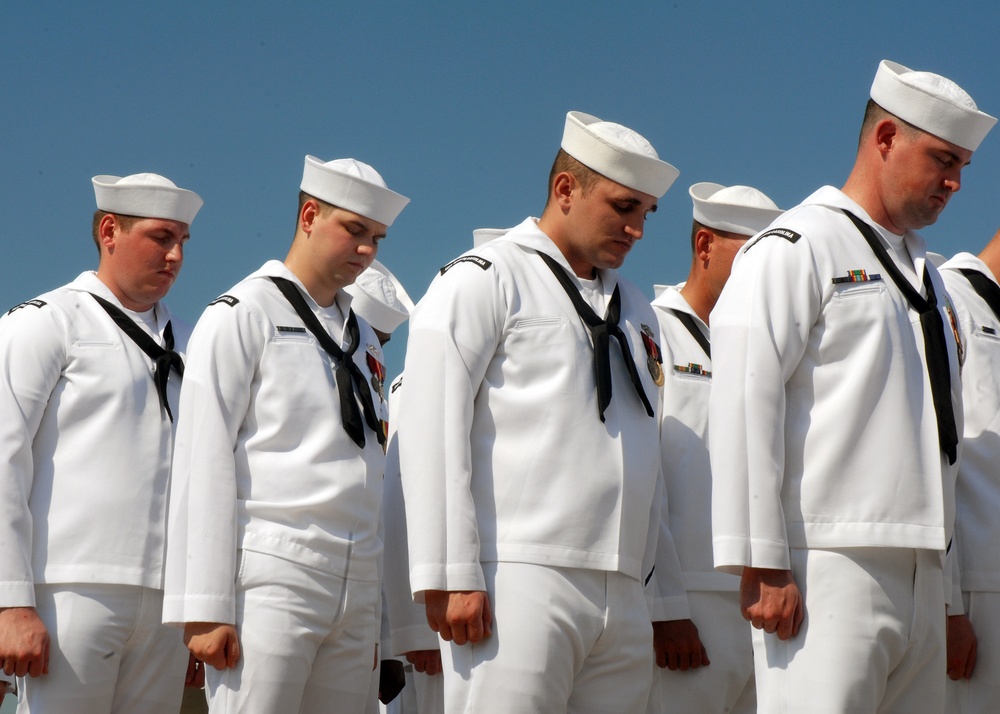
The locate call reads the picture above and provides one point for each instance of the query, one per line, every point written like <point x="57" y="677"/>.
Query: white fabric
<point x="981" y="694"/>
<point x="504" y="456"/>
<point x="879" y="614"/>
<point x="146" y="195"/>
<point x="684" y="458"/>
<point x="354" y="186"/>
<point x="109" y="653"/>
<point x="564" y="640"/>
<point x="379" y="298"/>
<point x="618" y="153"/>
<point x="727" y="684"/>
<point x="977" y="491"/>
<point x="485" y="235"/>
<point x="931" y="102"/>
<point x="307" y="641"/>
<point x="738" y="209"/>
<point x="262" y="459"/>
<point x="83" y="441"/>
<point x="813" y="379"/>
<point x="409" y="630"/>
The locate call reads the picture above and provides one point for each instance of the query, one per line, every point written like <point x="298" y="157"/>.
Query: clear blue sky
<point x="459" y="105"/>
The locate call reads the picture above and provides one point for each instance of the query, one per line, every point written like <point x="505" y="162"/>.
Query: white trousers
<point x="564" y="640"/>
<point x="873" y="638"/>
<point x="981" y="694"/>
<point x="726" y="686"/>
<point x="307" y="641"/>
<point x="109" y="653"/>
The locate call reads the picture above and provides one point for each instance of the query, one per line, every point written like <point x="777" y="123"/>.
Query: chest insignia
<point x="377" y="370"/>
<point x="692" y="368"/>
<point x="857" y="276"/>
<point x="960" y="347"/>
<point x="654" y="358"/>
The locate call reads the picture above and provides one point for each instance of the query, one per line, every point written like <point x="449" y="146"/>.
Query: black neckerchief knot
<point x="601" y="332"/>
<point x="935" y="345"/>
<point x="347" y="374"/>
<point x="163" y="359"/>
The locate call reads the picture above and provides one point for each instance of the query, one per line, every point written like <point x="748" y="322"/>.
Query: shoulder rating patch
<point x="396" y="385"/>
<point x="789" y="235"/>
<point x="32" y="303"/>
<point x="474" y="259"/>
<point x="227" y="299"/>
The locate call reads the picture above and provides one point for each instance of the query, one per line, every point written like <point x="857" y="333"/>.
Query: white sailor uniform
<point x="274" y="508"/>
<point x="727" y="684"/>
<point x="977" y="490"/>
<point x="831" y="465"/>
<point x="514" y="485"/>
<point x="84" y="471"/>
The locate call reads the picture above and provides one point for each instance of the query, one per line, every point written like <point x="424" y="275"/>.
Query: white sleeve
<point x="453" y="335"/>
<point x="666" y="597"/>
<point x="760" y="329"/>
<point x="32" y="357"/>
<point x="222" y="359"/>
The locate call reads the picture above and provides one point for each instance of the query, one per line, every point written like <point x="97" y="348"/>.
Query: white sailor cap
<point x="379" y="298"/>
<point x="485" y="235"/>
<point x="931" y="102"/>
<point x="354" y="186"/>
<point x="618" y="153"/>
<point x="147" y="196"/>
<point x="737" y="209"/>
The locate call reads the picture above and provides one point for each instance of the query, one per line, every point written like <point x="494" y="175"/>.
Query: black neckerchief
<point x="347" y="374"/>
<point x="988" y="290"/>
<point x="935" y="346"/>
<point x="164" y="359"/>
<point x="600" y="332"/>
<point x="695" y="331"/>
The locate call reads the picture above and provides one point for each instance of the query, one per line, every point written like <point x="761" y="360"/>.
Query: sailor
<point x="724" y="218"/>
<point x="836" y="383"/>
<point x="89" y="384"/>
<point x="272" y="556"/>
<point x="527" y="432"/>
<point x="378" y="298"/>
<point x="974" y="614"/>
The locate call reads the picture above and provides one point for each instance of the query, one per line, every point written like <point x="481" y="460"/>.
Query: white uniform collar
<point x="969" y="261"/>
<point x="836" y="199"/>
<point x="88" y="282"/>
<point x="278" y="269"/>
<point x="529" y="235"/>
<point x="671" y="299"/>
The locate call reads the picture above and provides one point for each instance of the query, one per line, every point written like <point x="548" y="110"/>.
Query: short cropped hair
<point x="874" y="114"/>
<point x="585" y="176"/>
<point x="125" y="222"/>
<point x="696" y="226"/>
<point x="324" y="207"/>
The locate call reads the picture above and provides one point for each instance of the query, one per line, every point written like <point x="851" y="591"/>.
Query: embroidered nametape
<point x="857" y="276"/>
<point x="988" y="330"/>
<point x="789" y="235"/>
<point x="288" y="328"/>
<point x="32" y="303"/>
<point x="474" y="259"/>
<point x="227" y="299"/>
